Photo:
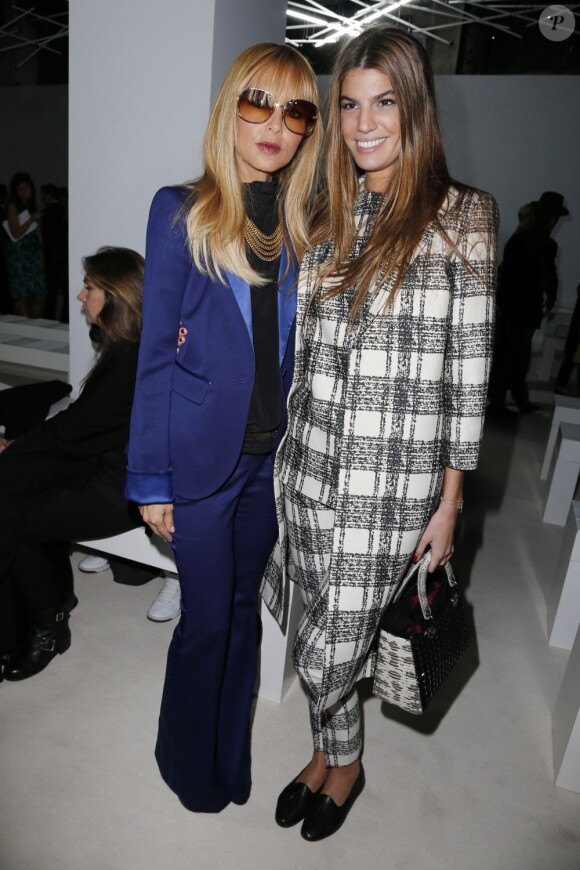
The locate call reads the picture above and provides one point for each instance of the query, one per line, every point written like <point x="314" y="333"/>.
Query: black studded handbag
<point x="422" y="635"/>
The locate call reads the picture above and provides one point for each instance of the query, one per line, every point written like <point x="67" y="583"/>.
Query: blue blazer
<point x="191" y="401"/>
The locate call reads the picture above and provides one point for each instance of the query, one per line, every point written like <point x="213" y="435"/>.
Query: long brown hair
<point x="421" y="178"/>
<point x="118" y="272"/>
<point x="215" y="209"/>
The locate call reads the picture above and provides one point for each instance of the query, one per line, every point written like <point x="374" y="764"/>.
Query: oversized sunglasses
<point x="255" y="106"/>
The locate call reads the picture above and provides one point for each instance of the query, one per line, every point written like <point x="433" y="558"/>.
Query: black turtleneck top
<point x="265" y="411"/>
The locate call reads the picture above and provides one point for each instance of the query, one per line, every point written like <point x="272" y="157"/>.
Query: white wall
<point x="517" y="136"/>
<point x="141" y="76"/>
<point x="34" y="134"/>
<point x="240" y="23"/>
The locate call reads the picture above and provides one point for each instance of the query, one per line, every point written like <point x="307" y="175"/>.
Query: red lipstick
<point x="269" y="147"/>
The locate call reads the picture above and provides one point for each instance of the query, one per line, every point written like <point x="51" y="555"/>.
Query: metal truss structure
<point x="17" y="33"/>
<point x="310" y="22"/>
<point x="317" y="23"/>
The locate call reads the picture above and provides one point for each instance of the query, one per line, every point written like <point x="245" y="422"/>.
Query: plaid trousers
<point x="336" y="730"/>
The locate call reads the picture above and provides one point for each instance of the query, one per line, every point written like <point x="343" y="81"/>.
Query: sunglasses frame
<point x="286" y="107"/>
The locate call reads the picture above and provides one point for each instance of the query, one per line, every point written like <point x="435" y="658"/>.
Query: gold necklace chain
<point x="267" y="248"/>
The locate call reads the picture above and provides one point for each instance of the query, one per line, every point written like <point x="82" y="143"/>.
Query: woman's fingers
<point x="169" y="526"/>
<point x="159" y="518"/>
<point x="438" y="537"/>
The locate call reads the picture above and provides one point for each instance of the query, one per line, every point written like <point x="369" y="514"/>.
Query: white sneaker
<point x="93" y="564"/>
<point x="167" y="605"/>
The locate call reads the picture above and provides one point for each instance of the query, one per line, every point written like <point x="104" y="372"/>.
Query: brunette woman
<point x="64" y="480"/>
<point x="215" y="366"/>
<point x="386" y="410"/>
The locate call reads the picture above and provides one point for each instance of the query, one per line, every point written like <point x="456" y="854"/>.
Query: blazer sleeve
<point x="167" y="268"/>
<point x="472" y="271"/>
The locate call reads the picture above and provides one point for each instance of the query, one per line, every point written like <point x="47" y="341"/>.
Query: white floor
<point x="467" y="787"/>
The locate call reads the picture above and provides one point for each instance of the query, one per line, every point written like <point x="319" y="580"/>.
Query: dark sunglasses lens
<point x="300" y="116"/>
<point x="254" y="106"/>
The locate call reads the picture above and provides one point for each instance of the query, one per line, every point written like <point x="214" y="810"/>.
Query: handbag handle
<point x="422" y="567"/>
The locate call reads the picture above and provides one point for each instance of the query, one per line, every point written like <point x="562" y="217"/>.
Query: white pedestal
<point x="564" y="602"/>
<point x="564" y="476"/>
<point x="38" y="343"/>
<point x="566" y="725"/>
<point x="566" y="410"/>
<point x="276" y="670"/>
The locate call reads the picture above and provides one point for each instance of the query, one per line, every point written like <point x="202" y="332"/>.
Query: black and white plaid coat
<point x="414" y="396"/>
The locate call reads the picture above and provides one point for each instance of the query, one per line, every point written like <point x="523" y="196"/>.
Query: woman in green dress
<point x="23" y="251"/>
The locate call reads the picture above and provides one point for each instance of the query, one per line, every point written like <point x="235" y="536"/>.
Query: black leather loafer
<point x="324" y="817"/>
<point x="293" y="804"/>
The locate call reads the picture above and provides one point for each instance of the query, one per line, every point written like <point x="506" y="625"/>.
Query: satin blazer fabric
<point x="192" y="398"/>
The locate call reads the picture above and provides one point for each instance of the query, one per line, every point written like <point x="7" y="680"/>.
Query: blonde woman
<point x="214" y="371"/>
<point x="386" y="411"/>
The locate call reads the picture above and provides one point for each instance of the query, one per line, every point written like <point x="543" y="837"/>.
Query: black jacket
<point x="91" y="434"/>
<point x="528" y="280"/>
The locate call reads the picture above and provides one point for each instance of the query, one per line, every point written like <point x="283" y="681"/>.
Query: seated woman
<point x="64" y="479"/>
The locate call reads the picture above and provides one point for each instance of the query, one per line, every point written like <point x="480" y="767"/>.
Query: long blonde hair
<point x="215" y="207"/>
<point x="421" y="179"/>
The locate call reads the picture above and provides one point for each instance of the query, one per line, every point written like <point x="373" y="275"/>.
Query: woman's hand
<point x="159" y="518"/>
<point x="4" y="443"/>
<point x="439" y="532"/>
<point x="439" y="535"/>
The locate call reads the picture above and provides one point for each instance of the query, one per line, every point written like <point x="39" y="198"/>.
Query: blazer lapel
<point x="286" y="299"/>
<point x="241" y="291"/>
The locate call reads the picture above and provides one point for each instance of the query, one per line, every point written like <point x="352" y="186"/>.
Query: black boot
<point x="50" y="635"/>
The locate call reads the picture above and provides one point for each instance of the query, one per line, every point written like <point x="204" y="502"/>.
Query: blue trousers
<point x="221" y="545"/>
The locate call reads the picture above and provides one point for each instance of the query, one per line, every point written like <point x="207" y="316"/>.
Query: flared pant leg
<point x="336" y="730"/>
<point x="221" y="544"/>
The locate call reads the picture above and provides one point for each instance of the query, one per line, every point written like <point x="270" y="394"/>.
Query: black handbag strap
<point x="421" y="567"/>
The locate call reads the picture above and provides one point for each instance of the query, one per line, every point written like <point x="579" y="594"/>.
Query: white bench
<point x="564" y="601"/>
<point x="564" y="476"/>
<point x="39" y="343"/>
<point x="276" y="671"/>
<point x="566" y="410"/>
<point x="566" y="725"/>
<point x="548" y="343"/>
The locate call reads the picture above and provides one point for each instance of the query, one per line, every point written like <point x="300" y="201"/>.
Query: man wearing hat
<point x="527" y="290"/>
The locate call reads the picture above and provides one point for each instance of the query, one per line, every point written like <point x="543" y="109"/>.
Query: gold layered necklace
<point x="267" y="248"/>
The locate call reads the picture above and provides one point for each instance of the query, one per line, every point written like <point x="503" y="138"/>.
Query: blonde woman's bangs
<point x="287" y="80"/>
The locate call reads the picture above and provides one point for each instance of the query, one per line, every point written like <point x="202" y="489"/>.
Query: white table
<point x="566" y="725"/>
<point x="564" y="476"/>
<point x="564" y="600"/>
<point x="566" y="410"/>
